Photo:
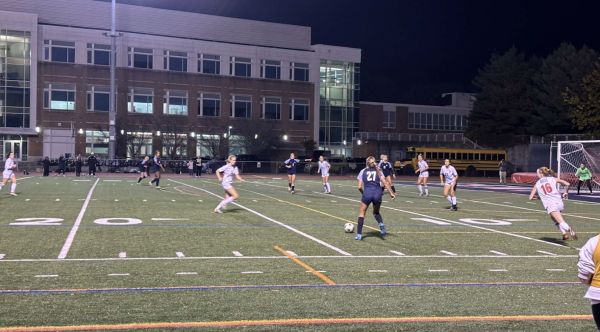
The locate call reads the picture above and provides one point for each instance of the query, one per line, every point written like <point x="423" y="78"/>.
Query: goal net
<point x="571" y="154"/>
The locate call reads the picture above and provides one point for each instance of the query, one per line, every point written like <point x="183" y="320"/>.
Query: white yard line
<point x="237" y="254"/>
<point x="498" y="253"/>
<point x="166" y="219"/>
<point x="438" y="270"/>
<point x="291" y="253"/>
<point x="187" y="273"/>
<point x="118" y="274"/>
<point x="112" y="180"/>
<point x="556" y="270"/>
<point x="274" y="221"/>
<point x="448" y="253"/>
<point x="252" y="272"/>
<point x="378" y="271"/>
<point x="547" y="253"/>
<point x="2" y="256"/>
<point x="499" y="270"/>
<point x="46" y="276"/>
<point x="65" y="249"/>
<point x="397" y="253"/>
<point x="122" y="255"/>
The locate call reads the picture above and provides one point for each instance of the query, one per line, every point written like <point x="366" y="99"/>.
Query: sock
<point x="13" y="187"/>
<point x="393" y="189"/>
<point x="293" y="187"/>
<point x="426" y="190"/>
<point x="139" y="179"/>
<point x="226" y="201"/>
<point x="560" y="229"/>
<point x="328" y="187"/>
<point x="453" y="200"/>
<point x="449" y="199"/>
<point x="325" y="186"/>
<point x="378" y="218"/>
<point x="289" y="185"/>
<point x="361" y="221"/>
<point x="564" y="227"/>
<point x="157" y="181"/>
<point x="421" y="189"/>
<point x="153" y="180"/>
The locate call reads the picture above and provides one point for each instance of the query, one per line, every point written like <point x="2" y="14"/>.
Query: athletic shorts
<point x="291" y="173"/>
<point x="324" y="174"/>
<point x="7" y="174"/>
<point x="374" y="199"/>
<point x="226" y="186"/>
<point x="424" y="174"/>
<point x="555" y="207"/>
<point x="142" y="169"/>
<point x="450" y="184"/>
<point x="156" y="169"/>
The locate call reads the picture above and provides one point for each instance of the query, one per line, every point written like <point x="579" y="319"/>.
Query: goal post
<point x="570" y="156"/>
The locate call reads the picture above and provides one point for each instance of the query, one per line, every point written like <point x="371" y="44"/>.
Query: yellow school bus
<point x="466" y="161"/>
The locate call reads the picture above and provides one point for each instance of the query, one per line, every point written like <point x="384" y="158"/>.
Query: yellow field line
<point x="301" y="263"/>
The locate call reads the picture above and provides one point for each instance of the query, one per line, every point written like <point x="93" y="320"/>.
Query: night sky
<point x="419" y="47"/>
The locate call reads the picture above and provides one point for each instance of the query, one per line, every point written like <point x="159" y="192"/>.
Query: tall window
<point x="140" y="57"/>
<point x="98" y="54"/>
<point x="240" y="67"/>
<point x="174" y="145"/>
<point x="240" y="106"/>
<point x="299" y="109"/>
<point x="175" y="61"/>
<point x="59" y="51"/>
<point x="98" y="98"/>
<point x="270" y="69"/>
<point x="389" y="119"/>
<point x="209" y="104"/>
<point x="96" y="142"/>
<point x="175" y="103"/>
<point x="139" y="144"/>
<point x="270" y="108"/>
<point x="15" y="87"/>
<point x="299" y="71"/>
<point x="59" y="96"/>
<point x="140" y="101"/>
<point x="429" y="121"/>
<point x="209" y="64"/>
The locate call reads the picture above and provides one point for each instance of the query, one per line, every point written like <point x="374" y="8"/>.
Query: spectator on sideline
<point x="92" y="161"/>
<point x="78" y="164"/>
<point x="584" y="175"/>
<point x="198" y="166"/>
<point x="62" y="163"/>
<point x="190" y="166"/>
<point x="46" y="164"/>
<point x="502" y="168"/>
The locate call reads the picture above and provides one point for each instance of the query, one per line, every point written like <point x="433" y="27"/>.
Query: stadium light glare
<point x="225" y="135"/>
<point x="285" y="137"/>
<point x="193" y="134"/>
<point x="255" y="136"/>
<point x="38" y="129"/>
<point x="359" y="142"/>
<point x="344" y="142"/>
<point x="80" y="130"/>
<point x="158" y="133"/>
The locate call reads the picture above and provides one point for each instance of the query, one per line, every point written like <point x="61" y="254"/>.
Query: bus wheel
<point x="408" y="170"/>
<point x="471" y="171"/>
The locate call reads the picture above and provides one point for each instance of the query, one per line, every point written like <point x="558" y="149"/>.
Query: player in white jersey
<point x="448" y="177"/>
<point x="324" y="167"/>
<point x="8" y="173"/>
<point x="589" y="274"/>
<point x="229" y="171"/>
<point x="547" y="188"/>
<point x="423" y="176"/>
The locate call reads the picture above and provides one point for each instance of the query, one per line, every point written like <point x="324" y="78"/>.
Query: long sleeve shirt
<point x="583" y="174"/>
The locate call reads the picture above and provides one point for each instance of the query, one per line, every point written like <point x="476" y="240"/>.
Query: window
<point x="389" y="119"/>
<point x="411" y="120"/>
<point x="430" y="121"/>
<point x="98" y="98"/>
<point x="270" y="108"/>
<point x="59" y="51"/>
<point x="139" y="145"/>
<point x="140" y="58"/>
<point x="96" y="142"/>
<point x="140" y="101"/>
<point x="434" y="155"/>
<point x="299" y="71"/>
<point x="209" y="104"/>
<point x="98" y="54"/>
<point x="299" y="109"/>
<point x="270" y="69"/>
<point x="240" y="67"/>
<point x="175" y="103"/>
<point x="209" y="64"/>
<point x="471" y="156"/>
<point x="501" y="157"/>
<point x="175" y="61"/>
<point x="59" y="96"/>
<point x="174" y="145"/>
<point x="240" y="106"/>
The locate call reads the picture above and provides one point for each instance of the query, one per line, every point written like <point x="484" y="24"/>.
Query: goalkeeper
<point x="584" y="175"/>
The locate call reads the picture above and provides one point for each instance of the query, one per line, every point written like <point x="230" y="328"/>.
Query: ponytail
<point x="546" y="171"/>
<point x="371" y="162"/>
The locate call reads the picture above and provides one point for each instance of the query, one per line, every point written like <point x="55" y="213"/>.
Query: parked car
<point x="338" y="165"/>
<point x="212" y="166"/>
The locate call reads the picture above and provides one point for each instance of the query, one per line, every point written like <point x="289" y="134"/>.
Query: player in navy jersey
<point x="144" y="169"/>
<point x="291" y="165"/>
<point x="157" y="166"/>
<point x="386" y="169"/>
<point x="369" y="180"/>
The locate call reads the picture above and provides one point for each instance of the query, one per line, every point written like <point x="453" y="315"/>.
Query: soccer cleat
<point x="573" y="234"/>
<point x="454" y="208"/>
<point x="329" y="192"/>
<point x="358" y="237"/>
<point x="292" y="192"/>
<point x="157" y="187"/>
<point x="217" y="210"/>
<point x="421" y="194"/>
<point x="565" y="236"/>
<point x="382" y="228"/>
<point x="14" y="194"/>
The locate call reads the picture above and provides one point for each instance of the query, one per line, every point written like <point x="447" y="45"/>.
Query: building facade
<point x="187" y="84"/>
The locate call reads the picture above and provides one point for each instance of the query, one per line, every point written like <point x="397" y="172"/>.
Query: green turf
<point x="208" y="241"/>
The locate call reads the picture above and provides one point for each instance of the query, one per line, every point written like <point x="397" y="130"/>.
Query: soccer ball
<point x="349" y="227"/>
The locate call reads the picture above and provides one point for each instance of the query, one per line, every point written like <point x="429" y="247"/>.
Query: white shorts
<point x="448" y="183"/>
<point x="7" y="174"/>
<point x="226" y="186"/>
<point x="555" y="207"/>
<point x="424" y="174"/>
<point x="324" y="175"/>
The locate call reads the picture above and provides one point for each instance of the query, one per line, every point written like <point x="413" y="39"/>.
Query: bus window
<point x="464" y="156"/>
<point x="502" y="157"/>
<point x="452" y="156"/>
<point x="476" y="156"/>
<point x="471" y="156"/>
<point x="488" y="156"/>
<point x="446" y="155"/>
<point x="494" y="156"/>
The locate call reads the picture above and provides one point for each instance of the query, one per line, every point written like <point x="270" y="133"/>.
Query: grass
<point x="403" y="275"/>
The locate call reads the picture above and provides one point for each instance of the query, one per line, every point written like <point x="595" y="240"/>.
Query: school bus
<point x="466" y="161"/>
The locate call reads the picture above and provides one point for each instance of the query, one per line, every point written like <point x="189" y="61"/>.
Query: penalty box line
<point x="273" y="221"/>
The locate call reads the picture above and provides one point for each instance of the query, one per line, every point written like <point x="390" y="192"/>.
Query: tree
<point x="259" y="138"/>
<point x="584" y="104"/>
<point x="174" y="136"/>
<point x="563" y="69"/>
<point x="212" y="140"/>
<point x="132" y="133"/>
<point x="501" y="110"/>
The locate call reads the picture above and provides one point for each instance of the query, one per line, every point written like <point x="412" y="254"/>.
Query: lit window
<point x="140" y="58"/>
<point x="240" y="106"/>
<point x="98" y="54"/>
<point x="96" y="142"/>
<point x="299" y="109"/>
<point x="139" y="144"/>
<point x="59" y="96"/>
<point x="299" y="71"/>
<point x="175" y="61"/>
<point x="240" y="67"/>
<point x="98" y="98"/>
<point x="270" y="69"/>
<point x="209" y="104"/>
<point x="270" y="108"/>
<point x="174" y="145"/>
<point x="209" y="64"/>
<point x="175" y="103"/>
<point x="59" y="51"/>
<point x="140" y="101"/>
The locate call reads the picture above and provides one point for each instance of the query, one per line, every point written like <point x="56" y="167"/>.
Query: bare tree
<point x="174" y="136"/>
<point x="259" y="138"/>
<point x="132" y="133"/>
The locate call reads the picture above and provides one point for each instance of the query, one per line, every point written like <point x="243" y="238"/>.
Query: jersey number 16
<point x="547" y="188"/>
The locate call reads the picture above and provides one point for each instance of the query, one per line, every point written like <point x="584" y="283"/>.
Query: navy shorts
<point x="156" y="169"/>
<point x="143" y="169"/>
<point x="291" y="173"/>
<point x="369" y="199"/>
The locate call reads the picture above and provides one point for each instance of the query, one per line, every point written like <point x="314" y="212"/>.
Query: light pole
<point x="229" y="139"/>
<point x="112" y="111"/>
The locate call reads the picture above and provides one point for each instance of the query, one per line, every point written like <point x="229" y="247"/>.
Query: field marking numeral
<point x="433" y="221"/>
<point x="37" y="222"/>
<point x="488" y="222"/>
<point x="108" y="221"/>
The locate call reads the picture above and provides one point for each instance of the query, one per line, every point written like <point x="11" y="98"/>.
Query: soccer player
<point x="369" y="182"/>
<point x="448" y="177"/>
<point x="423" y="176"/>
<point x="9" y="167"/>
<point x="584" y="175"/>
<point x="156" y="168"/>
<point x="386" y="169"/>
<point x="229" y="170"/>
<point x="324" y="167"/>
<point x="144" y="169"/>
<point x="547" y="189"/>
<point x="291" y="165"/>
<point x="589" y="274"/>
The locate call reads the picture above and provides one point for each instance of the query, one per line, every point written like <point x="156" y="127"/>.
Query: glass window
<point x="175" y="61"/>
<point x="429" y="121"/>
<point x="240" y="67"/>
<point x="140" y="58"/>
<point x="175" y="103"/>
<point x="140" y="101"/>
<point x="270" y="69"/>
<point x="411" y="120"/>
<point x="501" y="157"/>
<point x="434" y="155"/>
<point x="98" y="54"/>
<point x="209" y="64"/>
<point x="98" y="98"/>
<point x="174" y="145"/>
<point x="271" y="108"/>
<point x="494" y="156"/>
<point x="299" y="109"/>
<point x="59" y="51"/>
<point x="209" y="104"/>
<point x="299" y="71"/>
<point x="389" y="119"/>
<point x="458" y="156"/>
<point x="59" y="96"/>
<point x="96" y="142"/>
<point x="240" y="106"/>
<point x="452" y="122"/>
<point x="435" y="121"/>
<point x="139" y="144"/>
<point x="471" y="157"/>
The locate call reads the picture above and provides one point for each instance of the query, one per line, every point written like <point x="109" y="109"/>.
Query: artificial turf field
<point x="106" y="253"/>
